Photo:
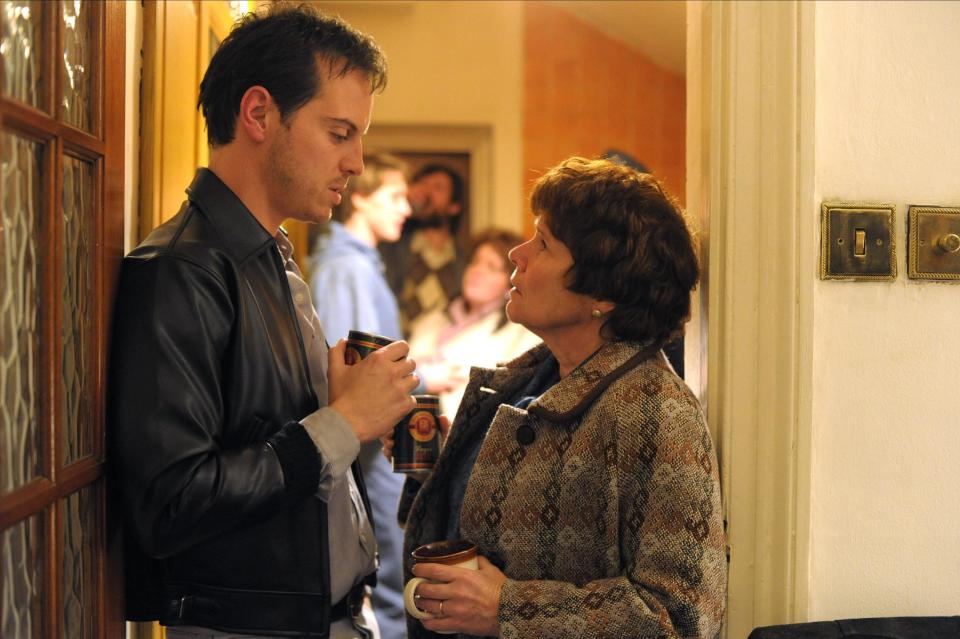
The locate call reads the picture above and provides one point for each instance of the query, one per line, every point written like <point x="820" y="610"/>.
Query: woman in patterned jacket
<point x="583" y="470"/>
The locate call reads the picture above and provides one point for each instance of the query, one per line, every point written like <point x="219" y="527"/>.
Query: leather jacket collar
<point x="243" y="235"/>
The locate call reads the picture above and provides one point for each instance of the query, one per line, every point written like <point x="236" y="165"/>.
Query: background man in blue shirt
<point x="350" y="292"/>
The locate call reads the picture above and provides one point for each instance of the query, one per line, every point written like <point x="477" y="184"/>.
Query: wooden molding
<point x="151" y="118"/>
<point x="752" y="73"/>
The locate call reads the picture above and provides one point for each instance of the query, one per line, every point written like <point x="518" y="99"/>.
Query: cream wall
<point x="131" y="121"/>
<point x="885" y="476"/>
<point x="454" y="64"/>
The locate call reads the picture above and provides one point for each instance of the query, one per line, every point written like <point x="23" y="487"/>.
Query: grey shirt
<point x="350" y="532"/>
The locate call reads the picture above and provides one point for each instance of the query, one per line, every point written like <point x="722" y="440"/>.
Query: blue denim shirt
<point x="349" y="288"/>
<point x="350" y="292"/>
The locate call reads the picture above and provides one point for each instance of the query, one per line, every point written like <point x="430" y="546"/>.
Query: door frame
<point x="750" y="147"/>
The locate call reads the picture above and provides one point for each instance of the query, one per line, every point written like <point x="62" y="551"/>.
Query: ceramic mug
<point x="457" y="552"/>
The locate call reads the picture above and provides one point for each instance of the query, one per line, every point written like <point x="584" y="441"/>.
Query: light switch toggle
<point x="949" y="243"/>
<point x="857" y="241"/>
<point x="860" y="243"/>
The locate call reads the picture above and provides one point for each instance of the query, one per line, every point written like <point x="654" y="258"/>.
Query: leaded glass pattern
<point x="21" y="567"/>
<point x="78" y="44"/>
<point x="76" y="310"/>
<point x="20" y="327"/>
<point x="78" y="540"/>
<point x="20" y="48"/>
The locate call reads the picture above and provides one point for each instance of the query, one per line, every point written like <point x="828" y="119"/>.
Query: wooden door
<point x="179" y="38"/>
<point x="61" y="238"/>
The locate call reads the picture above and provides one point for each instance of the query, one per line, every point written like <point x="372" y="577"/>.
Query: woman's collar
<point x="573" y="394"/>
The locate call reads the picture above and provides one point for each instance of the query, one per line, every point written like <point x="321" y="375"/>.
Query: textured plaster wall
<point x="885" y="501"/>
<point x="594" y="93"/>
<point x="454" y="63"/>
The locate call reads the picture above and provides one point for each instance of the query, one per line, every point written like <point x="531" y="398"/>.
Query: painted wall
<point x="131" y="123"/>
<point x="587" y="92"/>
<point x="497" y="64"/>
<point x="885" y="483"/>
<point x="454" y="63"/>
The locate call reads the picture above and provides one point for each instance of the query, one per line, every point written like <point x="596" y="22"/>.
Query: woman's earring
<point x="595" y="313"/>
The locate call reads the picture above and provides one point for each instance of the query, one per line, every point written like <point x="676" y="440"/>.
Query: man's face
<point x="432" y="195"/>
<point x="386" y="209"/>
<point x="319" y="148"/>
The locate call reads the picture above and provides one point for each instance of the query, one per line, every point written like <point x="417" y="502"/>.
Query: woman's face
<point x="540" y="299"/>
<point x="486" y="278"/>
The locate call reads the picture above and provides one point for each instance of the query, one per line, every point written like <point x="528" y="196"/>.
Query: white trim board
<point x="750" y="139"/>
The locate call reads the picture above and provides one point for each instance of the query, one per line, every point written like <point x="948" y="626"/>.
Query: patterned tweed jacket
<point x="608" y="523"/>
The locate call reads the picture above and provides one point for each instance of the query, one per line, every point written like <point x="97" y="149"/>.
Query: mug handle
<point x="410" y="603"/>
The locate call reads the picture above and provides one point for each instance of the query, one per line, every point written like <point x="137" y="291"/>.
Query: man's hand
<point x="374" y="394"/>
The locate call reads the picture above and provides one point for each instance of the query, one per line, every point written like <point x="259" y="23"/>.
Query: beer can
<point x="416" y="439"/>
<point x="360" y="344"/>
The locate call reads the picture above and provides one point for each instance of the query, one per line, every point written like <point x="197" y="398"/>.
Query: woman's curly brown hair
<point x="629" y="241"/>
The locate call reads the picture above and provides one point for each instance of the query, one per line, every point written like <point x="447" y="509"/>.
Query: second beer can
<point x="416" y="439"/>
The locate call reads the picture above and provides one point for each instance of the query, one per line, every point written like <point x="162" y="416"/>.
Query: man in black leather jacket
<point x="234" y="432"/>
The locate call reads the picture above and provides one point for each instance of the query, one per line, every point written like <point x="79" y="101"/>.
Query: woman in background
<point x="473" y="330"/>
<point x="583" y="470"/>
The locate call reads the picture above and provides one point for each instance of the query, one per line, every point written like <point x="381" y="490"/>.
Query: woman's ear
<point x="604" y="306"/>
<point x="253" y="121"/>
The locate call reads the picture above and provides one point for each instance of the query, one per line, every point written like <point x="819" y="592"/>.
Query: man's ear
<point x="453" y="208"/>
<point x="357" y="200"/>
<point x="256" y="111"/>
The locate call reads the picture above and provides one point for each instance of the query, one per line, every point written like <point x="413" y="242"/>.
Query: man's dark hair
<point x="278" y="48"/>
<point x="456" y="196"/>
<point x="629" y="242"/>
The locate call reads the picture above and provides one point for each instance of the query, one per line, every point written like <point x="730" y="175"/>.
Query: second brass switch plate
<point x="934" y="238"/>
<point x="857" y="242"/>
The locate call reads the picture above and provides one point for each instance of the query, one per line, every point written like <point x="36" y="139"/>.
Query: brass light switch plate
<point x="933" y="235"/>
<point x="857" y="242"/>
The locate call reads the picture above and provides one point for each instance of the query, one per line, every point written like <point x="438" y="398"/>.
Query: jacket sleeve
<point x="179" y="487"/>
<point x="672" y="546"/>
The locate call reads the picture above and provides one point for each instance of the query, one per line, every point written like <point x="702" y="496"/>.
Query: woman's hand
<point x="466" y="601"/>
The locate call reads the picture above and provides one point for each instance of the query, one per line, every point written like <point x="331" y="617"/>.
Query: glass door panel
<point x="20" y="316"/>
<point x="21" y="570"/>
<point x="79" y="46"/>
<point x="78" y="532"/>
<point x="76" y="307"/>
<point x="22" y="50"/>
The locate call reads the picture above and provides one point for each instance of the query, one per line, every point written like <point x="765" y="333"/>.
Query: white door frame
<point x="750" y="148"/>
